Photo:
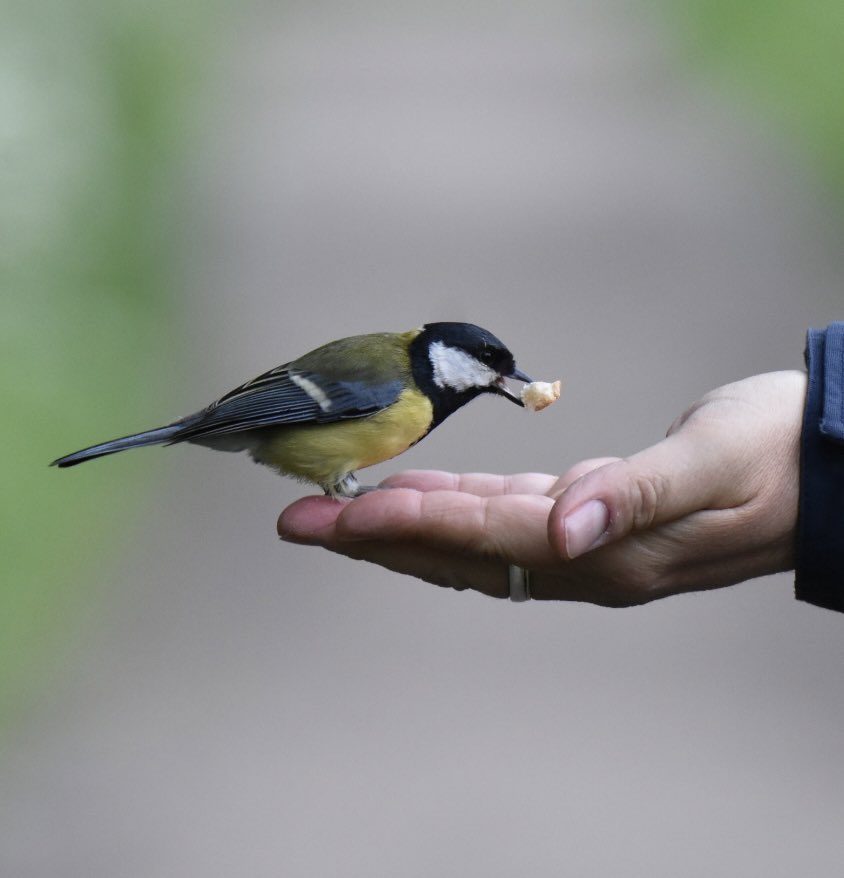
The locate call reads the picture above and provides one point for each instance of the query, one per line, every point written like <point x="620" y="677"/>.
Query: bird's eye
<point x="487" y="356"/>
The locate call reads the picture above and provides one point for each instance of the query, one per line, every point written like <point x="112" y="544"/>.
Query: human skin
<point x="712" y="504"/>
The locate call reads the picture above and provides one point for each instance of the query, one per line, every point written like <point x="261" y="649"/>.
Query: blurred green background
<point x="96" y="120"/>
<point x="99" y="109"/>
<point x="780" y="58"/>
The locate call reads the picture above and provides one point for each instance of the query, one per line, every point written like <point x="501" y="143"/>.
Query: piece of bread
<point x="540" y="394"/>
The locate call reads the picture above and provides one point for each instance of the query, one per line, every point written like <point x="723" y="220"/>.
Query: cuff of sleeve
<point x="819" y="568"/>
<point x="832" y="420"/>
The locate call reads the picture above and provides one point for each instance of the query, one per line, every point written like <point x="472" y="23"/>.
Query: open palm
<point x="712" y="504"/>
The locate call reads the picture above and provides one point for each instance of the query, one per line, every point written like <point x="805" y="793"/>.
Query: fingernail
<point x="585" y="526"/>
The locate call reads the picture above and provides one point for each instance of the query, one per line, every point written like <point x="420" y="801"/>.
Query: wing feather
<point x="281" y="397"/>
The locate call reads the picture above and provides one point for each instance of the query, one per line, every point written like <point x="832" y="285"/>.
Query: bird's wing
<point x="290" y="396"/>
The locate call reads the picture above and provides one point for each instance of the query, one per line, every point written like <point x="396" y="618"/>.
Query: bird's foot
<point x="349" y="487"/>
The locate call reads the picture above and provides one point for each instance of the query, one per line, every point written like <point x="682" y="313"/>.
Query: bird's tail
<point x="137" y="440"/>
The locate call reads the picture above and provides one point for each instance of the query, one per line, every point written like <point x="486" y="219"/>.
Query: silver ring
<point x="519" y="583"/>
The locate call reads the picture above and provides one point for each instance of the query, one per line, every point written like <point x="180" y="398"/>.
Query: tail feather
<point x="137" y="440"/>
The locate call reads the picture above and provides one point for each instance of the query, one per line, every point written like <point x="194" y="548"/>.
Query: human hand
<point x="712" y="504"/>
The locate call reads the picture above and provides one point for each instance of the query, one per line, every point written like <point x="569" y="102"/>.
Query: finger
<point x="682" y="474"/>
<point x="445" y="569"/>
<point x="481" y="484"/>
<point x="577" y="471"/>
<point x="310" y="520"/>
<point x="510" y="528"/>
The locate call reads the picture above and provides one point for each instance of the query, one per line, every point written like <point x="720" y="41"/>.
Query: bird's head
<point x="455" y="362"/>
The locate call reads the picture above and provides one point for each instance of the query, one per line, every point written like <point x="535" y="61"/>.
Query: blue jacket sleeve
<point x="819" y="566"/>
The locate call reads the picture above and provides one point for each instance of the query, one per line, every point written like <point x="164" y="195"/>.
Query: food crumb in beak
<point x="539" y="395"/>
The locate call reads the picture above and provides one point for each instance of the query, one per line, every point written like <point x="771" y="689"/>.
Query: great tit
<point x="349" y="404"/>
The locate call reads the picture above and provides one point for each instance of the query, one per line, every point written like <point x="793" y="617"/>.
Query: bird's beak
<point x="501" y="387"/>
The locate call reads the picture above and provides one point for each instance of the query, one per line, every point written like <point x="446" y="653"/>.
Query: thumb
<point x="663" y="483"/>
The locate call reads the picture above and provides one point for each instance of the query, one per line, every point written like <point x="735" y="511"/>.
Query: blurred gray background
<point x="231" y="705"/>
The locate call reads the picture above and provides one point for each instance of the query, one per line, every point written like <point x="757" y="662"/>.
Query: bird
<point x="346" y="405"/>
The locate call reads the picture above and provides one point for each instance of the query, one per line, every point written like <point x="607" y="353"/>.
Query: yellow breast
<point x="324" y="453"/>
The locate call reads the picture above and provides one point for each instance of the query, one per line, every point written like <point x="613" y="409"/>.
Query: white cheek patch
<point x="458" y="370"/>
